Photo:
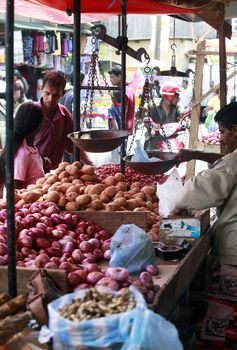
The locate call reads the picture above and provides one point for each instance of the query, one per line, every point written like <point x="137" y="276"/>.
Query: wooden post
<point x="195" y="114"/>
<point x="222" y="65"/>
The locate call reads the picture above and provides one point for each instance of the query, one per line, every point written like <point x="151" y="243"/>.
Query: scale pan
<point x="98" y="141"/>
<point x="168" y="160"/>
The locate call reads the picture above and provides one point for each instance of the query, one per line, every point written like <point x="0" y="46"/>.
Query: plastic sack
<point x="167" y="193"/>
<point x="149" y="331"/>
<point x="141" y="155"/>
<point x="131" y="248"/>
<point x="213" y="126"/>
<point x="96" y="333"/>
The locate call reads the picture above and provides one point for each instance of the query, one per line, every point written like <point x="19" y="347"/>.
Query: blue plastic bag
<point x="149" y="331"/>
<point x="96" y="333"/>
<point x="131" y="248"/>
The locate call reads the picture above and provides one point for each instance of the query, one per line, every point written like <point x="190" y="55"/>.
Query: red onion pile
<point x="115" y="278"/>
<point x="212" y="138"/>
<point x="47" y="237"/>
<point x="131" y="176"/>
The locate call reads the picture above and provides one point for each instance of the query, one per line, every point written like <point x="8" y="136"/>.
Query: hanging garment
<point x="50" y="42"/>
<point x="70" y="43"/>
<point x="64" y="45"/>
<point x="35" y="43"/>
<point x="27" y="47"/>
<point x="41" y="45"/>
<point x="57" y="51"/>
<point x="18" y="47"/>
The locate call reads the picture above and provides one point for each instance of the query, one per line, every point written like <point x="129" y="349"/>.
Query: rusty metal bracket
<point x="99" y="31"/>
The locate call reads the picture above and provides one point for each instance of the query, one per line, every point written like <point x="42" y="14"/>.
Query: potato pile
<point x="76" y="188"/>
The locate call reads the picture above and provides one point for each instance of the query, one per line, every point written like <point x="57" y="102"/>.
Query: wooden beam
<point x="213" y="89"/>
<point x="215" y="20"/>
<point x="194" y="126"/>
<point x="206" y="53"/>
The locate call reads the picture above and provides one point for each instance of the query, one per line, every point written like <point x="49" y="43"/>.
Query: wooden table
<point x="176" y="276"/>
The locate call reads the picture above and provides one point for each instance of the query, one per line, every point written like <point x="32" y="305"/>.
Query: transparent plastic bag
<point x="167" y="193"/>
<point x="150" y="331"/>
<point x="141" y="156"/>
<point x="131" y="248"/>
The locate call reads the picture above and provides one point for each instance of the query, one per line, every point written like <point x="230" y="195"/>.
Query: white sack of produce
<point x="131" y="248"/>
<point x="167" y="193"/>
<point x="96" y="332"/>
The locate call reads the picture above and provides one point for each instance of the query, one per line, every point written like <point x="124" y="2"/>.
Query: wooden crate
<point x="23" y="276"/>
<point x="111" y="221"/>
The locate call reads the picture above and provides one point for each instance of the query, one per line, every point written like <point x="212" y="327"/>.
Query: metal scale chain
<point x="147" y="101"/>
<point x="93" y="81"/>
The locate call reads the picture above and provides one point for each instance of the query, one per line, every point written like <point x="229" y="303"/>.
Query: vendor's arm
<point x="211" y="187"/>
<point x="85" y="158"/>
<point x="185" y="155"/>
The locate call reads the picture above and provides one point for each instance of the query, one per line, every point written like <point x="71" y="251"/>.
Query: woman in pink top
<point x="28" y="165"/>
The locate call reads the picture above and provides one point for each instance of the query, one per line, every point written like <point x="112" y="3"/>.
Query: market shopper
<point x="67" y="99"/>
<point x="116" y="79"/>
<point x="186" y="95"/>
<point x="167" y="109"/>
<point x="18" y="78"/>
<point x="19" y="96"/>
<point x="28" y="165"/>
<point x="217" y="187"/>
<point x="52" y="140"/>
<point x="165" y="112"/>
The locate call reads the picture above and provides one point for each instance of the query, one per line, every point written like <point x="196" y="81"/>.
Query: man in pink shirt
<point x="115" y="78"/>
<point x="52" y="140"/>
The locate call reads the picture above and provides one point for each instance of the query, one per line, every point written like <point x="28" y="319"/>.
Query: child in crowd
<point x="28" y="165"/>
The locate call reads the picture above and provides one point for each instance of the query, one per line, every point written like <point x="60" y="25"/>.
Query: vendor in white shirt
<point x="217" y="187"/>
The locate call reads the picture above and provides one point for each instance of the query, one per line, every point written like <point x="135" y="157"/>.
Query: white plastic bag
<point x="167" y="193"/>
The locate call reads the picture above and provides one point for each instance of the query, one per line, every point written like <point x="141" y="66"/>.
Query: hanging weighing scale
<point x="96" y="141"/>
<point x="166" y="160"/>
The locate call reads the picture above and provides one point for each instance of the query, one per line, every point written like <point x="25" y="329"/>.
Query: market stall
<point x="80" y="198"/>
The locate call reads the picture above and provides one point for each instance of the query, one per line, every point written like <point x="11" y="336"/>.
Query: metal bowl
<point x="97" y="141"/>
<point x="168" y="160"/>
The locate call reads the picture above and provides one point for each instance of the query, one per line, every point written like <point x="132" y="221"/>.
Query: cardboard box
<point x="186" y="226"/>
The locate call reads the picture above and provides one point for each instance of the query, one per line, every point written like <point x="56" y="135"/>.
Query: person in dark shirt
<point x="67" y="99"/>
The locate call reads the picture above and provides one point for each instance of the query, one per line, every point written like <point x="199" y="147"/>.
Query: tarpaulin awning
<point x="113" y="7"/>
<point x="48" y="13"/>
<point x="92" y="10"/>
